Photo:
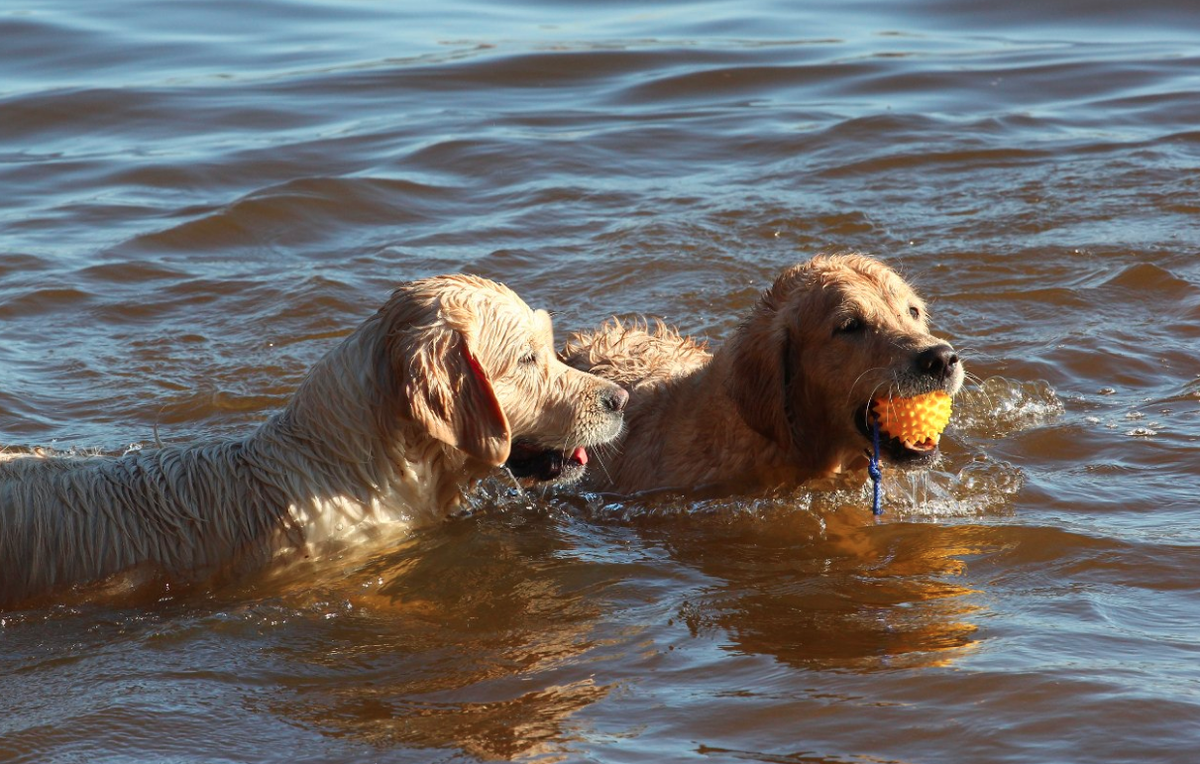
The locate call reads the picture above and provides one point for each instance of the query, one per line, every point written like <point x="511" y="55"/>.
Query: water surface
<point x="201" y="198"/>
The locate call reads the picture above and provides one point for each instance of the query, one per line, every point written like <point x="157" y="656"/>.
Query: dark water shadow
<point x="477" y="636"/>
<point x="489" y="635"/>
<point x="814" y="581"/>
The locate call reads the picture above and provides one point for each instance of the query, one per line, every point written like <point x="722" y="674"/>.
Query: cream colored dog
<point x="452" y="378"/>
<point x="786" y="399"/>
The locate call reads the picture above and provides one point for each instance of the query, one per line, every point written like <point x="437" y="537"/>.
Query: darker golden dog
<point x="787" y="398"/>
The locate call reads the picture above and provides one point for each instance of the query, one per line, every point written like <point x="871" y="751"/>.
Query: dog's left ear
<point x="442" y="384"/>
<point x="450" y="395"/>
<point x="757" y="384"/>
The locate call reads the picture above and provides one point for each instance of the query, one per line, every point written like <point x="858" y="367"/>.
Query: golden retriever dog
<point x="786" y="399"/>
<point x="452" y="378"/>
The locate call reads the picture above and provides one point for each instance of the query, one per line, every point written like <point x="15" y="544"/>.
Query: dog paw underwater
<point x="454" y="377"/>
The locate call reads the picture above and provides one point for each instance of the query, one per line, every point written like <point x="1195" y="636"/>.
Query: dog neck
<point x="711" y="443"/>
<point x="354" y="459"/>
<point x="336" y="468"/>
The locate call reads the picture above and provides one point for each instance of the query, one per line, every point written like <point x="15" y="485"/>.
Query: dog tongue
<point x="579" y="455"/>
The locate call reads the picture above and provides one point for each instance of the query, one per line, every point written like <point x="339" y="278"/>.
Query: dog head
<point x="478" y="372"/>
<point x="829" y="338"/>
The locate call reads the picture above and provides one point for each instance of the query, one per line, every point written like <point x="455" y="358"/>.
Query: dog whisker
<point x="504" y="468"/>
<point x="854" y="384"/>
<point x="873" y="396"/>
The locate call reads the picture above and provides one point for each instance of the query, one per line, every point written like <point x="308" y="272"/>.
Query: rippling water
<point x="200" y="198"/>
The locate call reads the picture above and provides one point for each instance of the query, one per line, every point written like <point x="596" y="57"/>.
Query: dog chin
<point x="901" y="454"/>
<point x="894" y="449"/>
<point x="535" y="465"/>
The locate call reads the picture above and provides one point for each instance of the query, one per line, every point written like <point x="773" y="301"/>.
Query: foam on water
<point x="999" y="406"/>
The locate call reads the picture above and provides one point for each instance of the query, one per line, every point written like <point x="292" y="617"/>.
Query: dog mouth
<point x="537" y="464"/>
<point x="897" y="449"/>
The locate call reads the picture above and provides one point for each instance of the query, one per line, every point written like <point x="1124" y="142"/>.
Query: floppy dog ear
<point x="763" y="361"/>
<point x="443" y="387"/>
<point x="450" y="395"/>
<point x="757" y="381"/>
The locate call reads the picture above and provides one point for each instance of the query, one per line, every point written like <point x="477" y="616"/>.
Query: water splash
<point x="962" y="485"/>
<point x="982" y="486"/>
<point x="999" y="406"/>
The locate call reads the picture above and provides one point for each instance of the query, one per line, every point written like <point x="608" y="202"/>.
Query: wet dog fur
<point x="786" y="399"/>
<point x="451" y="378"/>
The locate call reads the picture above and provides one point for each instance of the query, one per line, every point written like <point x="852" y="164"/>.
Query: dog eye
<point x="851" y="326"/>
<point x="529" y="358"/>
<point x="915" y="312"/>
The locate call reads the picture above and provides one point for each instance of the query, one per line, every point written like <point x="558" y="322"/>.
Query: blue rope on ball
<point x="873" y="469"/>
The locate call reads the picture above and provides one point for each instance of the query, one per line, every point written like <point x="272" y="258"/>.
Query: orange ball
<point x="918" y="421"/>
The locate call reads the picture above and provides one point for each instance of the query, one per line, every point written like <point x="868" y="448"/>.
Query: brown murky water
<point x="200" y="198"/>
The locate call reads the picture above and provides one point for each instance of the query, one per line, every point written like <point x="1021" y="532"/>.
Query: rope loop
<point x="874" y="470"/>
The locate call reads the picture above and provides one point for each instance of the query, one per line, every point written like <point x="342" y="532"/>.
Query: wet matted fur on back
<point x="388" y="430"/>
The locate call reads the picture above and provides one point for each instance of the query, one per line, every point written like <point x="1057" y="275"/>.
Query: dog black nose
<point x="937" y="361"/>
<point x="615" y="399"/>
